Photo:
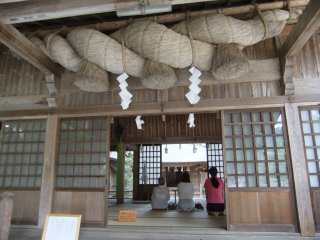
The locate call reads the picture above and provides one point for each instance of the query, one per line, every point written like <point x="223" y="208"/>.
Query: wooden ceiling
<point x="21" y="18"/>
<point x="35" y="15"/>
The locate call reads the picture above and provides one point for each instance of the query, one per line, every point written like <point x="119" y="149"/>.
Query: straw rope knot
<point x="191" y="38"/>
<point x="262" y="19"/>
<point x="123" y="55"/>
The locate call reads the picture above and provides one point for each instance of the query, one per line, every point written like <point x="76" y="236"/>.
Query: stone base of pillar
<point x="6" y="206"/>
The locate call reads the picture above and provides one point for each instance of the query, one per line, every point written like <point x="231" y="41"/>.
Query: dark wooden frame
<point x="215" y="157"/>
<point x="100" y="140"/>
<point x="151" y="154"/>
<point x="314" y="146"/>
<point x="29" y="147"/>
<point x="290" y="202"/>
<point x="263" y="135"/>
<point x="314" y="191"/>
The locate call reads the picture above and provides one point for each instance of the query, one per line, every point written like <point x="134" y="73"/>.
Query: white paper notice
<point x="62" y="228"/>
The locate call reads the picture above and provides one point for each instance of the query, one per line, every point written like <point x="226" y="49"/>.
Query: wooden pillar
<point x="48" y="175"/>
<point x="136" y="174"/>
<point x="299" y="169"/>
<point x="120" y="173"/>
<point x="107" y="180"/>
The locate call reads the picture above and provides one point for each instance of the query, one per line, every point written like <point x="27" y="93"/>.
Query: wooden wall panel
<point x="260" y="208"/>
<point x="174" y="129"/>
<point x="316" y="207"/>
<point x="244" y="208"/>
<point x="307" y="66"/>
<point x="26" y="206"/>
<point x="230" y="90"/>
<point x="274" y="207"/>
<point x="18" y="77"/>
<point x="91" y="205"/>
<point x="261" y="50"/>
<point x="71" y="97"/>
<point x="78" y="99"/>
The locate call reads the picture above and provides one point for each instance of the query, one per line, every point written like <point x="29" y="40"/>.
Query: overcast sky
<point x="183" y="154"/>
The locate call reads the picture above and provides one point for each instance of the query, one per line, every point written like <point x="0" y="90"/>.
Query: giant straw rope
<point x="149" y="50"/>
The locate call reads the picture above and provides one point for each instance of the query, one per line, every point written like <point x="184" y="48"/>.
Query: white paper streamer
<point x="193" y="94"/>
<point x="139" y="122"/>
<point x="124" y="94"/>
<point x="191" y="120"/>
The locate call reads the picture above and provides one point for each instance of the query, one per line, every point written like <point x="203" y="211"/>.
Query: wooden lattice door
<point x="215" y="157"/>
<point x="149" y="170"/>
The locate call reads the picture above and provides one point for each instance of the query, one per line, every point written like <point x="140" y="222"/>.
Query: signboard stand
<point x="61" y="227"/>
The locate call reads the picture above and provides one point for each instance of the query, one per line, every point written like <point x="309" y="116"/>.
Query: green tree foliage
<point x="128" y="174"/>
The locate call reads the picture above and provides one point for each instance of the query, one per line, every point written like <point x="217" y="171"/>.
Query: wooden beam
<point x="174" y="107"/>
<point x="35" y="99"/>
<point x="287" y="70"/>
<point x="35" y="10"/>
<point x="24" y="103"/>
<point x="287" y="66"/>
<point x="155" y="108"/>
<point x="300" y="171"/>
<point x="24" y="108"/>
<point x="166" y="18"/>
<point x="18" y="43"/>
<point x="260" y="71"/>
<point x="131" y="147"/>
<point x="11" y="1"/>
<point x="30" y="115"/>
<point x="307" y="24"/>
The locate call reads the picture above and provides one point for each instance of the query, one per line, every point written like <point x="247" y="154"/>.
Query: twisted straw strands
<point x="105" y="52"/>
<point x="218" y="28"/>
<point x="158" y="43"/>
<point x="89" y="77"/>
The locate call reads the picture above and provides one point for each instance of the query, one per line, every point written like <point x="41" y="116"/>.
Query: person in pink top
<point x="214" y="188"/>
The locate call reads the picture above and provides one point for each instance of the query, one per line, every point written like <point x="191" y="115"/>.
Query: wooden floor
<point x="156" y="225"/>
<point x="169" y="218"/>
<point x="157" y="233"/>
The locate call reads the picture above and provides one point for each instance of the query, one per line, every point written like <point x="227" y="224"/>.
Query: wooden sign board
<point x="127" y="216"/>
<point x="61" y="227"/>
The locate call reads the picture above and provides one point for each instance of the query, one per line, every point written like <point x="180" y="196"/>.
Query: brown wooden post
<point x="299" y="170"/>
<point x="120" y="173"/>
<point x="48" y="175"/>
<point x="135" y="174"/>
<point x="107" y="186"/>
